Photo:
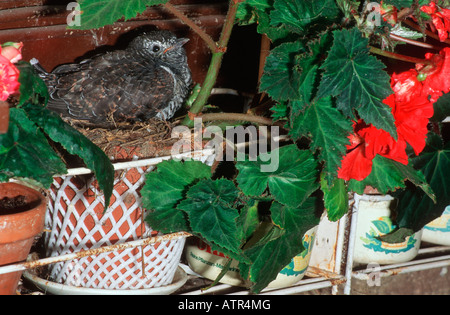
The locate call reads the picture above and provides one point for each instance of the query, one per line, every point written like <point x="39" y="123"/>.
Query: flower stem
<point x="4" y="117"/>
<point x="216" y="62"/>
<point x="200" y="32"/>
<point x="395" y="56"/>
<point x="427" y="32"/>
<point x="413" y="42"/>
<point x="237" y="117"/>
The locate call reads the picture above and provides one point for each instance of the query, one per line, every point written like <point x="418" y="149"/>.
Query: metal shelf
<point x="331" y="263"/>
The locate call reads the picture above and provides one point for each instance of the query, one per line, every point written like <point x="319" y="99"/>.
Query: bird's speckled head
<point x="163" y="45"/>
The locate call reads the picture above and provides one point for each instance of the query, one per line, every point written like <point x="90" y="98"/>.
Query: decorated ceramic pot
<point x="374" y="220"/>
<point x="438" y="231"/>
<point x="209" y="263"/>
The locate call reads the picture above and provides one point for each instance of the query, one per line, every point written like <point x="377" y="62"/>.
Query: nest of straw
<point x="153" y="137"/>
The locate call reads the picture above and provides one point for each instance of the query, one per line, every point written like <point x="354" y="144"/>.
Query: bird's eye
<point x="156" y="48"/>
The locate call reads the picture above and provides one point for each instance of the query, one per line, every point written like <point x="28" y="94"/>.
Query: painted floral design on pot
<point x="438" y="231"/>
<point x="374" y="220"/>
<point x="384" y="226"/>
<point x="209" y="263"/>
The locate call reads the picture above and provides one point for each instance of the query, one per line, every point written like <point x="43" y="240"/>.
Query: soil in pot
<point x="18" y="228"/>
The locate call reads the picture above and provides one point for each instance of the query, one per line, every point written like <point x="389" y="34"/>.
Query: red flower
<point x="367" y="142"/>
<point x="412" y="107"/>
<point x="437" y="79"/>
<point x="9" y="76"/>
<point x="440" y="18"/>
<point x="12" y="51"/>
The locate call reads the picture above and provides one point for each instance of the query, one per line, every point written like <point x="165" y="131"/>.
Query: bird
<point x="148" y="79"/>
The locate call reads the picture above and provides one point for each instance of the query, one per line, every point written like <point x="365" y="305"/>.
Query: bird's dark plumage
<point x="150" y="78"/>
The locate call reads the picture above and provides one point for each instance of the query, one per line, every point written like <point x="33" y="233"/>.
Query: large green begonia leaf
<point x="358" y="80"/>
<point x="297" y="15"/>
<point x="165" y="187"/>
<point x="26" y="153"/>
<point x="211" y="209"/>
<point x="291" y="183"/>
<point x="415" y="208"/>
<point x="98" y="13"/>
<point x="280" y="244"/>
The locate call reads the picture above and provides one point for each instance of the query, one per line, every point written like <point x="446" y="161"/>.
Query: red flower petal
<point x="355" y="165"/>
<point x="9" y="76"/>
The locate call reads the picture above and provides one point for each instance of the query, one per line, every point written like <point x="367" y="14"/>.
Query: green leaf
<point x="165" y="187"/>
<point x="405" y="32"/>
<point x="388" y="175"/>
<point x="358" y="80"/>
<point x="400" y="4"/>
<point x="26" y="153"/>
<point x="335" y="198"/>
<point x="297" y="15"/>
<point x="328" y="130"/>
<point x="247" y="10"/>
<point x="290" y="183"/>
<point x="279" y="111"/>
<point x="98" y="13"/>
<point x="348" y="6"/>
<point x="270" y="256"/>
<point x="309" y="63"/>
<point x="210" y="206"/>
<point x="415" y="209"/>
<point x="248" y="220"/>
<point x="277" y="34"/>
<point x="75" y="143"/>
<point x="441" y="108"/>
<point x="281" y="79"/>
<point x="32" y="88"/>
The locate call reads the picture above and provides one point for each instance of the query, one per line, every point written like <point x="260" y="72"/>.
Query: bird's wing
<point x="114" y="82"/>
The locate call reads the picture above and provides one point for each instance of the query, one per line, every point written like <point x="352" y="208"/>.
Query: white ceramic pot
<point x="438" y="231"/>
<point x="209" y="263"/>
<point x="374" y="220"/>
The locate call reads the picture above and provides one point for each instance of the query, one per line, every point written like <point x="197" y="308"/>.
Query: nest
<point x="145" y="139"/>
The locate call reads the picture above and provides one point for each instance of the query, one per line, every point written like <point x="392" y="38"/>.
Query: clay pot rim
<point x="10" y="231"/>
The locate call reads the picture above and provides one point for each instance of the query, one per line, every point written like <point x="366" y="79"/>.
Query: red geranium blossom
<point x="9" y="74"/>
<point x="366" y="143"/>
<point x="437" y="79"/>
<point x="440" y="18"/>
<point x="412" y="107"/>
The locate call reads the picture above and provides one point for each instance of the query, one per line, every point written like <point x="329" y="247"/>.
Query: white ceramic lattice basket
<point x="77" y="221"/>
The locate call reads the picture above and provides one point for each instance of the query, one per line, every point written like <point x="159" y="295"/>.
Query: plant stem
<point x="200" y="32"/>
<point x="413" y="42"/>
<point x="427" y="32"/>
<point x="4" y="117"/>
<point x="237" y="117"/>
<point x="395" y="56"/>
<point x="216" y="62"/>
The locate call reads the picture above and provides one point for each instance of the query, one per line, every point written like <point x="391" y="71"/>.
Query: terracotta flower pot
<point x="18" y="227"/>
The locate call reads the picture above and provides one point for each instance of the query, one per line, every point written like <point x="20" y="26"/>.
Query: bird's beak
<point x="180" y="42"/>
